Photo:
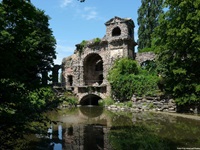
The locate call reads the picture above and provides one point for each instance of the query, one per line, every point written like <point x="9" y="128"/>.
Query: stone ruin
<point x="86" y="70"/>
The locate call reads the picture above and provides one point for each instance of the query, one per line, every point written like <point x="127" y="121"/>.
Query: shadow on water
<point x="93" y="128"/>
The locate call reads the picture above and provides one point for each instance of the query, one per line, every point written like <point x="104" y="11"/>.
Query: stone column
<point x="55" y="74"/>
<point x="44" y="77"/>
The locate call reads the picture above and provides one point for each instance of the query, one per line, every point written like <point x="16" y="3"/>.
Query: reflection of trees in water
<point x="23" y="136"/>
<point x="121" y="120"/>
<point x="153" y="131"/>
<point x="137" y="137"/>
<point x="128" y="131"/>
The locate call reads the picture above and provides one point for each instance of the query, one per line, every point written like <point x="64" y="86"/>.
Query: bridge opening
<point x="90" y="100"/>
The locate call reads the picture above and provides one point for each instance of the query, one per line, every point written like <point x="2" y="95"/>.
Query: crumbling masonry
<point x="86" y="70"/>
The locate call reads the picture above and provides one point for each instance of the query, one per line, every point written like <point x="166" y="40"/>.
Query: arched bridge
<point x="90" y="95"/>
<point x="87" y="95"/>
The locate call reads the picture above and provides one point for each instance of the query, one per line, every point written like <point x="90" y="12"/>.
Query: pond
<point x="94" y="128"/>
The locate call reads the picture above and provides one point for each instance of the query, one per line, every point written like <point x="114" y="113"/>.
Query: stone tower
<point x="120" y="35"/>
<point x="85" y="72"/>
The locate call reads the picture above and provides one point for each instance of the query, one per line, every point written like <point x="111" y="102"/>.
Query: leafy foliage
<point x="21" y="111"/>
<point x="147" y="20"/>
<point x="27" y="46"/>
<point x="178" y="42"/>
<point x="69" y="99"/>
<point x="124" y="66"/>
<point x="81" y="46"/>
<point x="97" y="40"/>
<point x="106" y="101"/>
<point x="127" y="78"/>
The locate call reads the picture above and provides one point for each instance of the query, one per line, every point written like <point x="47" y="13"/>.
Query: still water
<point x="94" y="128"/>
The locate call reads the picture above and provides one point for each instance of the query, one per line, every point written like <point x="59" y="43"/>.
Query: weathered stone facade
<point x="86" y="70"/>
<point x="145" y="56"/>
<point x="147" y="104"/>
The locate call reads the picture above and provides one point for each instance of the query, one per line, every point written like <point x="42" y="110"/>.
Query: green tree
<point x="178" y="41"/>
<point x="147" y="20"/>
<point x="119" y="78"/>
<point x="27" y="46"/>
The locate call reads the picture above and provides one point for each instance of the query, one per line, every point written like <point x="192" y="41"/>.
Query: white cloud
<point x="89" y="13"/>
<point x="65" y="3"/>
<point x="89" y="8"/>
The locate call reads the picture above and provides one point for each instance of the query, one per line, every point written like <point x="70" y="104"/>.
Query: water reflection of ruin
<point x="81" y="136"/>
<point x="88" y="137"/>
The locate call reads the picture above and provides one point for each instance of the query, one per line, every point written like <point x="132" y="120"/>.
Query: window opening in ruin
<point x="93" y="67"/>
<point x="99" y="65"/>
<point x="70" y="80"/>
<point x="116" y="31"/>
<point x="100" y="79"/>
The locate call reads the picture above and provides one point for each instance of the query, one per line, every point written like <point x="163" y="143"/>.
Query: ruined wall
<point x="89" y="65"/>
<point x="142" y="57"/>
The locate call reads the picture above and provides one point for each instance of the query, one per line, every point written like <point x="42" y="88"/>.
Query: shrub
<point x="81" y="46"/>
<point x="127" y="78"/>
<point x="101" y="102"/>
<point x="129" y="103"/>
<point x="151" y="106"/>
<point x="97" y="40"/>
<point x="108" y="101"/>
<point x="69" y="99"/>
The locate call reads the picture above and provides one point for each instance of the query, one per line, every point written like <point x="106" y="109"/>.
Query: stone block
<point x="113" y="106"/>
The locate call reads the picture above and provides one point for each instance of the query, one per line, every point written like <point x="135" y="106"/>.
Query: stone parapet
<point x="142" y="57"/>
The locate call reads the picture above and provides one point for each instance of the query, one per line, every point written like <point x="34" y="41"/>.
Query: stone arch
<point x="90" y="99"/>
<point x="92" y="69"/>
<point x="142" y="57"/>
<point x="116" y="31"/>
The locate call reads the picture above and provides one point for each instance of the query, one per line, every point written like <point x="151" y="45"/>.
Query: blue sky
<point x="72" y="21"/>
